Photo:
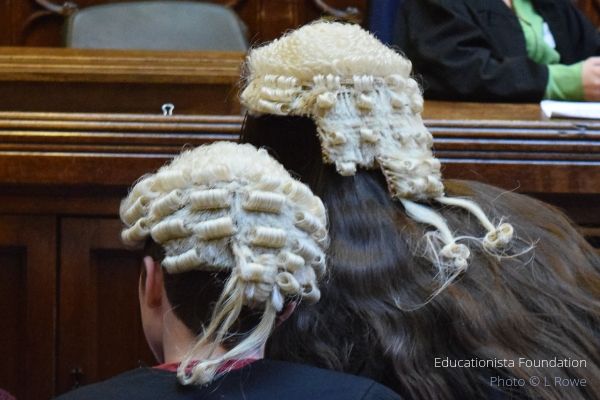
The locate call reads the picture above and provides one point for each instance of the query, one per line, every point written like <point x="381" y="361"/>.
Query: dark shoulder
<point x="263" y="379"/>
<point x="300" y="381"/>
<point x="141" y="383"/>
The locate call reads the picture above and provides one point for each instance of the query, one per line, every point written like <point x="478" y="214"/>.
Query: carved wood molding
<point x="533" y="156"/>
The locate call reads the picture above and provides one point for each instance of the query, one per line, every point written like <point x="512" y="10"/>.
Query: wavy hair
<point x="377" y="318"/>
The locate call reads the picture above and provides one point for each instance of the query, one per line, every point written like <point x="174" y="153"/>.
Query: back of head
<point x="501" y="280"/>
<point x="239" y="236"/>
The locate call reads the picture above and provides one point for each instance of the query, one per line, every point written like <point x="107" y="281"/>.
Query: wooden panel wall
<point x="25" y="22"/>
<point x="12" y="308"/>
<point x="27" y="305"/>
<point x="66" y="281"/>
<point x="98" y="302"/>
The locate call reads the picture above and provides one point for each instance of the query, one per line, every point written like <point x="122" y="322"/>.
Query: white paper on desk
<point x="570" y="109"/>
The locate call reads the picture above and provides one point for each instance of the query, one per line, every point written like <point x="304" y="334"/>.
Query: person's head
<point x="366" y="112"/>
<point x="395" y="302"/>
<point x="233" y="242"/>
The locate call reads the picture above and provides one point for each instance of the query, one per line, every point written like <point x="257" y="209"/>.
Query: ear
<point x="151" y="286"/>
<point x="151" y="306"/>
<point x="286" y="312"/>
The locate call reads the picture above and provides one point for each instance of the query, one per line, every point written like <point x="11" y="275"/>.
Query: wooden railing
<point x="507" y="145"/>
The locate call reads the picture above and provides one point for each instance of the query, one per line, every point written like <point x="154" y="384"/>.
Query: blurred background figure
<point x="501" y="50"/>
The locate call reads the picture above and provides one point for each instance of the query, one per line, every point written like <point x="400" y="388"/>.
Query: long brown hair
<point x="376" y="318"/>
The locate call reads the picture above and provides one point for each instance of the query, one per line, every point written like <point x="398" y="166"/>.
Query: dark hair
<point x="374" y="317"/>
<point x="193" y="295"/>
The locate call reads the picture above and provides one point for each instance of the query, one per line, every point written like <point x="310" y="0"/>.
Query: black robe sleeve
<point x="465" y="55"/>
<point x="576" y="37"/>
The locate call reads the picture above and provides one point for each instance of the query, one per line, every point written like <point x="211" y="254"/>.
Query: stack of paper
<point x="570" y="109"/>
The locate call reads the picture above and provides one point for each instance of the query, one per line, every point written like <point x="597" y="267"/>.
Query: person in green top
<point x="565" y="82"/>
<point x="501" y="50"/>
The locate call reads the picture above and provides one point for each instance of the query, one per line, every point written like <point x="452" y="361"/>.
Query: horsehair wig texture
<point x="365" y="105"/>
<point x="367" y="110"/>
<point x="231" y="207"/>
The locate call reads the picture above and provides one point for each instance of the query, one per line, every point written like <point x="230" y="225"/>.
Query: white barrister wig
<point x="232" y="208"/>
<point x="367" y="110"/>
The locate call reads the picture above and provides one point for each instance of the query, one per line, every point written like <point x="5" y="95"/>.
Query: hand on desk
<point x="590" y="75"/>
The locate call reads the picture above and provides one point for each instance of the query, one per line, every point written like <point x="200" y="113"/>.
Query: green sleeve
<point x="564" y="82"/>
